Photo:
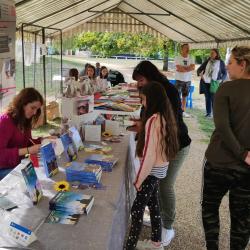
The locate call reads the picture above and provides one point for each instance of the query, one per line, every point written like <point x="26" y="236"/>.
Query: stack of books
<point x="66" y="207"/>
<point x="107" y="162"/>
<point x="84" y="173"/>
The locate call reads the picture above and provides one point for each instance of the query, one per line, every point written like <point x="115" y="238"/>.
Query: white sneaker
<point x="166" y="236"/>
<point x="186" y="115"/>
<point x="146" y="218"/>
<point x="148" y="245"/>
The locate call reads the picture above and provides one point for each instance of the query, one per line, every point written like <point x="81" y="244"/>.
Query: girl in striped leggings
<point x="157" y="144"/>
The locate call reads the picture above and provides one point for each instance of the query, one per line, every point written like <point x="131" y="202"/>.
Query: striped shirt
<point x="159" y="172"/>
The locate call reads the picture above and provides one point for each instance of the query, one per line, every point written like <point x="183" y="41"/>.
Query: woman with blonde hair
<point x="227" y="164"/>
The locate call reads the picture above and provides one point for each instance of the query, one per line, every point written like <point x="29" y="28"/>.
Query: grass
<point x="44" y="129"/>
<point x="205" y="124"/>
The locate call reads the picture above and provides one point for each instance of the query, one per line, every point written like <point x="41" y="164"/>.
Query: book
<point x="97" y="149"/>
<point x="49" y="159"/>
<point x="84" y="173"/>
<point x="105" y="161"/>
<point x="76" y="138"/>
<point x="7" y="204"/>
<point x="75" y="203"/>
<point x="33" y="185"/>
<point x="62" y="217"/>
<point x="69" y="149"/>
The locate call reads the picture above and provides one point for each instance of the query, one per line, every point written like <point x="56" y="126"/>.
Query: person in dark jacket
<point x="227" y="163"/>
<point x="212" y="69"/>
<point x="144" y="73"/>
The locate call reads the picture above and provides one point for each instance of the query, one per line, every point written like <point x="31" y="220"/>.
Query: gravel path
<point x="188" y="225"/>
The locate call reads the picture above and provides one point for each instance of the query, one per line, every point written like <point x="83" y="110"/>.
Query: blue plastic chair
<point x="189" y="103"/>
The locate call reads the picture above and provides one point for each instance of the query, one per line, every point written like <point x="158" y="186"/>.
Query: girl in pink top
<point x="157" y="144"/>
<point x="15" y="129"/>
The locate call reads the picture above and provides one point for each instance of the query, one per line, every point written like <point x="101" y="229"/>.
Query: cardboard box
<point x="52" y="110"/>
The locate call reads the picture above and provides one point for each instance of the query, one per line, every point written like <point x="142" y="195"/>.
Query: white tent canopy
<point x="203" y="24"/>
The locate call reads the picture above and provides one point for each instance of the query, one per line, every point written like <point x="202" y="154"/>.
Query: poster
<point x="7" y="52"/>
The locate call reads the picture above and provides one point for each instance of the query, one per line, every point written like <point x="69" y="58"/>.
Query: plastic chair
<point x="189" y="103"/>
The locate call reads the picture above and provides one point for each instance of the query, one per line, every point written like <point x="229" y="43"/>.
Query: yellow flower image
<point x="106" y="134"/>
<point x="62" y="186"/>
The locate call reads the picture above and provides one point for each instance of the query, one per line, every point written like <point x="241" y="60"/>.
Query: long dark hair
<point x="149" y="71"/>
<point x="74" y="73"/>
<point x="158" y="102"/>
<point x="217" y="54"/>
<point x="101" y="76"/>
<point x="92" y="67"/>
<point x="16" y="108"/>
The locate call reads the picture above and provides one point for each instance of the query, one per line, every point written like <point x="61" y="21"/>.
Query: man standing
<point x="184" y="67"/>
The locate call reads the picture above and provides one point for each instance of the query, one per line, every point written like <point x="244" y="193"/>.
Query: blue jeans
<point x="167" y="192"/>
<point x="209" y="99"/>
<point x="4" y="172"/>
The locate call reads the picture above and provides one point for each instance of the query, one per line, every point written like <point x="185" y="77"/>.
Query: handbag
<point x="214" y="85"/>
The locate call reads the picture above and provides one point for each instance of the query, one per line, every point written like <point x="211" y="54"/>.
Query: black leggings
<point x="148" y="196"/>
<point x="217" y="182"/>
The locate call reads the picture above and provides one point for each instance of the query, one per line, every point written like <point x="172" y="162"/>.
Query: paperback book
<point x="49" y="159"/>
<point x="97" y="149"/>
<point x="69" y="149"/>
<point x="7" y="204"/>
<point x="84" y="173"/>
<point x="62" y="217"/>
<point x="107" y="162"/>
<point x="33" y="185"/>
<point x="76" y="138"/>
<point x="74" y="203"/>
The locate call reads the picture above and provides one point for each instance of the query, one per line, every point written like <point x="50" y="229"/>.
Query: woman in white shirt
<point x="207" y="75"/>
<point x="102" y="80"/>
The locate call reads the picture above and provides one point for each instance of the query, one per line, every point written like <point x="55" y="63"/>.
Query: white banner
<point x="7" y="52"/>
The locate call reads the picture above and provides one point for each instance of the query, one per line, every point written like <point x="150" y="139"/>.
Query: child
<point x="157" y="144"/>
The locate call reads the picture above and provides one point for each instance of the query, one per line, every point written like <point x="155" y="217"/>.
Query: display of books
<point x="49" y="159"/>
<point x="84" y="173"/>
<point x="69" y="149"/>
<point x="33" y="185"/>
<point x="76" y="138"/>
<point x="62" y="217"/>
<point x="105" y="161"/>
<point x="74" y="203"/>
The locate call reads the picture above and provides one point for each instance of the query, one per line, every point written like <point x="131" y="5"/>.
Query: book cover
<point x="33" y="186"/>
<point x="49" y="159"/>
<point x="84" y="173"/>
<point x="62" y="217"/>
<point x="76" y="138"/>
<point x="7" y="204"/>
<point x="97" y="149"/>
<point x="71" y="202"/>
<point x="105" y="161"/>
<point x="69" y="150"/>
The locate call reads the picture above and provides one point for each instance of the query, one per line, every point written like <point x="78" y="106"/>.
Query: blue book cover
<point x="49" y="159"/>
<point x="72" y="202"/>
<point x="69" y="149"/>
<point x="62" y="217"/>
<point x="33" y="185"/>
<point x="105" y="161"/>
<point x="83" y="172"/>
<point x="76" y="138"/>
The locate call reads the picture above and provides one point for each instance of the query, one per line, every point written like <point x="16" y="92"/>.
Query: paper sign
<point x="112" y="127"/>
<point x="92" y="133"/>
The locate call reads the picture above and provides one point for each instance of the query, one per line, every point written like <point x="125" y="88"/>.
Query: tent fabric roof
<point x="201" y="23"/>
